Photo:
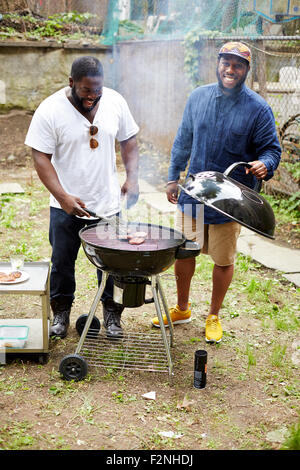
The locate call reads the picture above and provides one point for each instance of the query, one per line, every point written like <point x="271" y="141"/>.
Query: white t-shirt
<point x="57" y="128"/>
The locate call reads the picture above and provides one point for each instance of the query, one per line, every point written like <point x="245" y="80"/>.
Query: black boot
<point x="61" y="316"/>
<point x="112" y="318"/>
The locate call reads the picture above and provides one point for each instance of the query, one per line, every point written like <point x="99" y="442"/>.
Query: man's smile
<point x="89" y="103"/>
<point x="229" y="80"/>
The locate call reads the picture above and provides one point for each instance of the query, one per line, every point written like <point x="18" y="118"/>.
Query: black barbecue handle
<point x="93" y="214"/>
<point x="189" y="249"/>
<point x="232" y="167"/>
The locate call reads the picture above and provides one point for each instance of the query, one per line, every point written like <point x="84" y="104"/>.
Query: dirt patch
<point x="251" y="389"/>
<point x="13" y="129"/>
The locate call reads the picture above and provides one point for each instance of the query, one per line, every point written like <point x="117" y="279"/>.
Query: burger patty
<point x="5" y="277"/>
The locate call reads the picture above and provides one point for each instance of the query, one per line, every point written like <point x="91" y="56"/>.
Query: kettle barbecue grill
<point x="133" y="267"/>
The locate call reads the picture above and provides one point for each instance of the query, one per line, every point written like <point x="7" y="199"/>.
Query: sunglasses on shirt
<point x="93" y="142"/>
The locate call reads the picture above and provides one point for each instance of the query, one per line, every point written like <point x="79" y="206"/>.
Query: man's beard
<point x="235" y="89"/>
<point x="78" y="101"/>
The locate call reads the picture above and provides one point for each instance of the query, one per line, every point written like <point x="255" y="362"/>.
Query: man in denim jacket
<point x="223" y="123"/>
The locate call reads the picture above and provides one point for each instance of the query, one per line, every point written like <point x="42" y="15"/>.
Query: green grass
<point x="19" y="218"/>
<point x="277" y="358"/>
<point x="292" y="442"/>
<point x="285" y="209"/>
<point x="16" y="436"/>
<point x="260" y="317"/>
<point x="250" y="355"/>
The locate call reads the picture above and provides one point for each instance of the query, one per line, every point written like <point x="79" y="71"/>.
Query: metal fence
<point x="160" y="29"/>
<point x="274" y="74"/>
<point x="275" y="70"/>
<point x="277" y="78"/>
<point x="150" y="75"/>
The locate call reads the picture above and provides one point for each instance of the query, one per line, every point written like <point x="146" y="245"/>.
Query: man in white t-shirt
<point x="72" y="135"/>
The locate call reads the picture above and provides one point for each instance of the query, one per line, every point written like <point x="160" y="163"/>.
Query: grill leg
<point x="92" y="312"/>
<point x="166" y="309"/>
<point x="155" y="291"/>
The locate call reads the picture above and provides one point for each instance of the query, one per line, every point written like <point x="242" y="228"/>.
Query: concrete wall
<point x="30" y="74"/>
<point x="148" y="74"/>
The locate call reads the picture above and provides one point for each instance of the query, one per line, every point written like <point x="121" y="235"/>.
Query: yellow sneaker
<point x="213" y="329"/>
<point x="177" y="316"/>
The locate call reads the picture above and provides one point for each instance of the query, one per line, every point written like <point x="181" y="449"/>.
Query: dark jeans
<point x="65" y="242"/>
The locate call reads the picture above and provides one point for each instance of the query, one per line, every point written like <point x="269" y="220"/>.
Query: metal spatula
<point x="115" y="222"/>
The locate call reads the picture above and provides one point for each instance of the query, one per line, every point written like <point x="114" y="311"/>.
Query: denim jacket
<point x="218" y="130"/>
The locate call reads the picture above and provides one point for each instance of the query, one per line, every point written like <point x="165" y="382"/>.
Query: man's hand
<point x="172" y="193"/>
<point x="131" y="190"/>
<point x="130" y="157"/>
<point x="258" y="169"/>
<point x="72" y="205"/>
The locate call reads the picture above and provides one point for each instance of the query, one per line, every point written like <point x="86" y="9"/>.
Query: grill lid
<point x="232" y="199"/>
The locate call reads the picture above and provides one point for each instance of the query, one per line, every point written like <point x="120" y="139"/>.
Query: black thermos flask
<point x="200" y="368"/>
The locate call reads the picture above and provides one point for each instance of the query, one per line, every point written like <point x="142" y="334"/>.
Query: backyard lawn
<point x="251" y="399"/>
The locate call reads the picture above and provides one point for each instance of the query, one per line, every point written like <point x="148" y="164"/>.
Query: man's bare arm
<point x="47" y="174"/>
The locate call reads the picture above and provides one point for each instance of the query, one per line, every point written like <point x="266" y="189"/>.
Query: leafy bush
<point x="58" y="26"/>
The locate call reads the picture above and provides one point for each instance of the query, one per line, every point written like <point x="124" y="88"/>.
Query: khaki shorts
<point x="217" y="240"/>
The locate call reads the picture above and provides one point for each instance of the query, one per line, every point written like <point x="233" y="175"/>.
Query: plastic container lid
<point x="13" y="336"/>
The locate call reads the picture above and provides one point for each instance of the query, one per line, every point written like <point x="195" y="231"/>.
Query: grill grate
<point x="134" y="351"/>
<point x="158" y="238"/>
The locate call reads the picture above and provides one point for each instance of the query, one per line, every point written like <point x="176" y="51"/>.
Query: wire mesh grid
<point x="133" y="351"/>
<point x="274" y="72"/>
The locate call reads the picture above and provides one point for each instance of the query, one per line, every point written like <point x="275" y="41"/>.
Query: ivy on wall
<point x="194" y="43"/>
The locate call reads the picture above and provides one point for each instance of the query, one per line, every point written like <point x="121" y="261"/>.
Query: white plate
<point x="22" y="278"/>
